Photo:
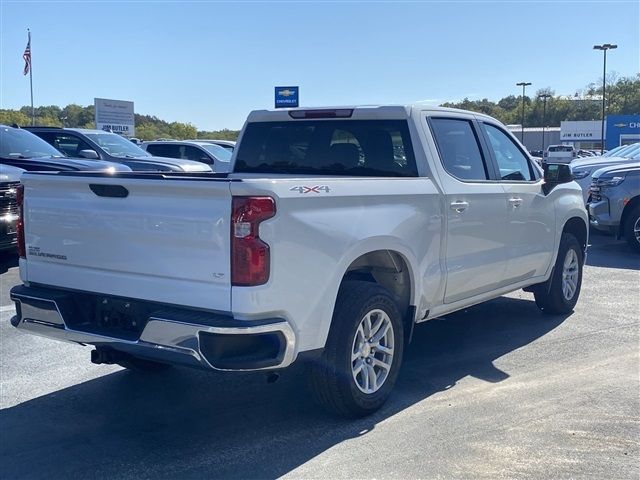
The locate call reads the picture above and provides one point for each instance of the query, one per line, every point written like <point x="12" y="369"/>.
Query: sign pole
<point x="33" y="115"/>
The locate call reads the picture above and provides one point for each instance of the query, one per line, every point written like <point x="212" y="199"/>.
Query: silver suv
<point x="615" y="202"/>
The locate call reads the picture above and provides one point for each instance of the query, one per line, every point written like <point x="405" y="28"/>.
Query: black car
<point x="9" y="181"/>
<point x="25" y="150"/>
<point x="101" y="145"/>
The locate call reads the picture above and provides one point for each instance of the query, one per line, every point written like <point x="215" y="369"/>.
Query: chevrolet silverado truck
<point x="336" y="231"/>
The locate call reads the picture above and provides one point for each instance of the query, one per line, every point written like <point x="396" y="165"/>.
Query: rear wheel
<point x="632" y="229"/>
<point x="362" y="356"/>
<point x="561" y="294"/>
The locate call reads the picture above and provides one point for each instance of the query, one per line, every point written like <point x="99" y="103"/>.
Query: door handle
<point x="459" y="207"/>
<point x="515" y="202"/>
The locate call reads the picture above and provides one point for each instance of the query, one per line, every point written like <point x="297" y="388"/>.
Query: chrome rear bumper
<point x="216" y="342"/>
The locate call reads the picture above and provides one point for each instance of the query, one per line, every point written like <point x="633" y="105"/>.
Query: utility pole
<point x="523" y="85"/>
<point x="544" y="97"/>
<point x="604" y="47"/>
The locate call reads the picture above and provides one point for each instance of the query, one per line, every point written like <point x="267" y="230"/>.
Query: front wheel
<point x="632" y="229"/>
<point x="561" y="294"/>
<point x="362" y="356"/>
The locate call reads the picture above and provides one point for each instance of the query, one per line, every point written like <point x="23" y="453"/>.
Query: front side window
<point x="369" y="148"/>
<point x="512" y="163"/>
<point x="459" y="148"/>
<point x="70" y="145"/>
<point x="194" y="153"/>
<point x="220" y="153"/>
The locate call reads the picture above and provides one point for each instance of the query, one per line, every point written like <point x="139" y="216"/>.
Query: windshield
<point x="22" y="144"/>
<point x="116" y="145"/>
<point x="560" y="148"/>
<point x="217" y="151"/>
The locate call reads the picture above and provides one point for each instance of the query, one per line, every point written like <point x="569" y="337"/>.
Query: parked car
<point x="560" y="154"/>
<point x="98" y="144"/>
<point x="339" y="230"/>
<point x="213" y="155"/>
<point x="583" y="168"/>
<point x="228" y="144"/>
<point x="22" y="149"/>
<point x="615" y="202"/>
<point x="9" y="181"/>
<point x="621" y="150"/>
<point x="585" y="153"/>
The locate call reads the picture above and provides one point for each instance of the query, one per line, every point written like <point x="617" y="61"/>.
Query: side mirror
<point x="556" y="174"/>
<point x="205" y="159"/>
<point x="89" y="154"/>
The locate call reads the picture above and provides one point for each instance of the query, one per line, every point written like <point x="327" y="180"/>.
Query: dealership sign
<point x="115" y="116"/>
<point x="286" y="97"/>
<point x="622" y="129"/>
<point x="582" y="130"/>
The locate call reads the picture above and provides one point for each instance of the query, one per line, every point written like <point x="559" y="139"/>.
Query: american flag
<point x="27" y="57"/>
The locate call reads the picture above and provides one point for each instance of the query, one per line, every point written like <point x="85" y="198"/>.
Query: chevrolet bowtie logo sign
<point x="286" y="97"/>
<point x="620" y="125"/>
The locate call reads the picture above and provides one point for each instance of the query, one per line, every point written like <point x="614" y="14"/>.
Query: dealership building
<point x="583" y="135"/>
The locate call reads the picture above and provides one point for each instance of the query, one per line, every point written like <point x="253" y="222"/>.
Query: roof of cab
<point x="360" y="112"/>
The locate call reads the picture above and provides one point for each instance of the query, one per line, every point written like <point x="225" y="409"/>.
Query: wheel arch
<point x="391" y="269"/>
<point x="628" y="208"/>
<point x="579" y="229"/>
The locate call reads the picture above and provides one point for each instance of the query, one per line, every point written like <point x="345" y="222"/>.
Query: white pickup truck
<point x="336" y="231"/>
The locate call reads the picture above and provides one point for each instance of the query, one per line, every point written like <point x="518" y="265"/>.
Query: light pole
<point x="523" y="85"/>
<point x="544" y="97"/>
<point x="604" y="47"/>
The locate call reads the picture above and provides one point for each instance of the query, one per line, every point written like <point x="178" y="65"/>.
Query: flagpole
<point x="33" y="115"/>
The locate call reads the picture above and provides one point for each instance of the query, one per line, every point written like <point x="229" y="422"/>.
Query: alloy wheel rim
<point x="570" y="272"/>
<point x="372" y="351"/>
<point x="636" y="229"/>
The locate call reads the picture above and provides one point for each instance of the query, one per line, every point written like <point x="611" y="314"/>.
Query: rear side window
<point x="369" y="148"/>
<point x="164" y="150"/>
<point x="459" y="148"/>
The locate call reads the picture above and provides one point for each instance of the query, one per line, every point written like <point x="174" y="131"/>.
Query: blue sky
<point x="210" y="63"/>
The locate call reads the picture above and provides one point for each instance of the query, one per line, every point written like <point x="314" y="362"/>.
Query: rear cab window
<point x="368" y="148"/>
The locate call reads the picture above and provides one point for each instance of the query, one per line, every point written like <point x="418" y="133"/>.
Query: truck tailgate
<point x="167" y="240"/>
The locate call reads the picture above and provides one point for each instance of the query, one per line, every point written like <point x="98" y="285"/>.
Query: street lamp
<point x="604" y="47"/>
<point x="523" y="85"/>
<point x="544" y="97"/>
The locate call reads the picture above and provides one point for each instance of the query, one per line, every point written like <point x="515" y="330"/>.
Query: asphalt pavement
<point x="496" y="391"/>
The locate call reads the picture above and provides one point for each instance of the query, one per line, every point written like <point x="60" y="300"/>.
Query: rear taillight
<point x="22" y="249"/>
<point x="250" y="263"/>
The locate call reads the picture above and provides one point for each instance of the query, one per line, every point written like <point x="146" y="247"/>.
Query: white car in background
<point x="215" y="156"/>
<point x="560" y="154"/>
<point x="228" y="144"/>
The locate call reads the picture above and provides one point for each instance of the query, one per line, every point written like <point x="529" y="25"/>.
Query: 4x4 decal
<point x="310" y="189"/>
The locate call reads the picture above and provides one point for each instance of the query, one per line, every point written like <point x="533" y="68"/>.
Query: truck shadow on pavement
<point x="605" y="251"/>
<point x="8" y="260"/>
<point x="192" y="424"/>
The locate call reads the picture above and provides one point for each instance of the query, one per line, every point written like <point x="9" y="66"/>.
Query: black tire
<point x="332" y="380"/>
<point x="550" y="298"/>
<point x="629" y="229"/>
<point x="142" y="365"/>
